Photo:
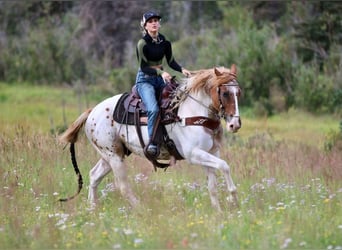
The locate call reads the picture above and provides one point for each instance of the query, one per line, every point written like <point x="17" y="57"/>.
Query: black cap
<point x="148" y="15"/>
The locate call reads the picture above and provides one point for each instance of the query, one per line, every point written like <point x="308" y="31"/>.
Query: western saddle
<point x="130" y="110"/>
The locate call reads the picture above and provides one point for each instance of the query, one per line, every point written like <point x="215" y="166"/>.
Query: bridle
<point x="221" y="109"/>
<point x="218" y="112"/>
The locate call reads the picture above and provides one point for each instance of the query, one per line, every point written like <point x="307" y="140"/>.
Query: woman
<point x="151" y="78"/>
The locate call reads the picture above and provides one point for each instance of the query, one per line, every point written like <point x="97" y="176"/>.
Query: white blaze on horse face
<point x="237" y="113"/>
<point x="233" y="123"/>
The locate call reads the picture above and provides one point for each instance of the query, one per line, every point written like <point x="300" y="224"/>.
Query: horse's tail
<point x="70" y="136"/>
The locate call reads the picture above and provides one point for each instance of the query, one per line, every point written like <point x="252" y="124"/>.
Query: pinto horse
<point x="208" y="96"/>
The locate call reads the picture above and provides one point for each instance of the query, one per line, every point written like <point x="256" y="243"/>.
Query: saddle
<point x="130" y="110"/>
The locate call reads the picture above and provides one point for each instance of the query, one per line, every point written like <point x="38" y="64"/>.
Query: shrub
<point x="334" y="140"/>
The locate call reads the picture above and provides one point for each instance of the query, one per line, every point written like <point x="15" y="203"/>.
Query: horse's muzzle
<point x="233" y="123"/>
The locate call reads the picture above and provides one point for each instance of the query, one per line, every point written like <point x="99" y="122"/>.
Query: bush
<point x="334" y="140"/>
<point x="44" y="53"/>
<point x="315" y="91"/>
<point x="263" y="60"/>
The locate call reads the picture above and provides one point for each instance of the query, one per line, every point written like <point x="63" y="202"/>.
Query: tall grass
<point x="290" y="191"/>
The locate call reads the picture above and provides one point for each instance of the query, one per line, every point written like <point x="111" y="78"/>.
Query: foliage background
<point x="288" y="53"/>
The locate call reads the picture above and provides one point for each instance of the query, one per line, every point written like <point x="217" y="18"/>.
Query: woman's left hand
<point x="186" y="72"/>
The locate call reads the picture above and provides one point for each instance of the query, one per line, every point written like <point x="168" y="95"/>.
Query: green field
<point x="289" y="187"/>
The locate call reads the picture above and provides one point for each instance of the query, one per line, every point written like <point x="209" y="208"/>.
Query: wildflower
<point x="259" y="222"/>
<point x="257" y="187"/>
<point x="302" y="244"/>
<point x="185" y="242"/>
<point x="194" y="235"/>
<point x="128" y="231"/>
<point x="138" y="241"/>
<point x="269" y="181"/>
<point x="190" y="224"/>
<point x="140" y="178"/>
<point x="286" y="243"/>
<point x="79" y="235"/>
<point x="104" y="234"/>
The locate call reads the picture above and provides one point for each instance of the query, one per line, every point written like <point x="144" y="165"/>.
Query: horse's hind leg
<point x="120" y="173"/>
<point x="100" y="170"/>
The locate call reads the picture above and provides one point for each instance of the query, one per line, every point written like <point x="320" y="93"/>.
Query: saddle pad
<point x="123" y="116"/>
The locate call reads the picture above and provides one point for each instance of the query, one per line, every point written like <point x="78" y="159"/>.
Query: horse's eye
<point x="226" y="94"/>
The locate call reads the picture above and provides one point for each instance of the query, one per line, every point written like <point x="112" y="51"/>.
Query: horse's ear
<point x="233" y="69"/>
<point x="217" y="72"/>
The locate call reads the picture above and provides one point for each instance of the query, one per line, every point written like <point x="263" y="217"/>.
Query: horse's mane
<point x="203" y="80"/>
<point x="206" y="79"/>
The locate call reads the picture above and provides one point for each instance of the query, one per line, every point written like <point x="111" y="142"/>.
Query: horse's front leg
<point x="212" y="188"/>
<point x="204" y="158"/>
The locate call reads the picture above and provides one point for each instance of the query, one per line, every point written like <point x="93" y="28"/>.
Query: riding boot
<point x="152" y="148"/>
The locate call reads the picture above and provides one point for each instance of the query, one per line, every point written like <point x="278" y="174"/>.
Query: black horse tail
<point x="70" y="136"/>
<point x="77" y="171"/>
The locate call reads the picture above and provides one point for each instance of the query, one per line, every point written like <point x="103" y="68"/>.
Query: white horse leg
<point x="120" y="172"/>
<point x="100" y="170"/>
<point x="202" y="157"/>
<point x="212" y="188"/>
<point x="232" y="198"/>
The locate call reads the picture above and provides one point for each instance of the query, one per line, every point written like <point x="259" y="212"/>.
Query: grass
<point x="290" y="189"/>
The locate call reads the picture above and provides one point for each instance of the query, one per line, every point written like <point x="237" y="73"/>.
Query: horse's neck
<point x="196" y="104"/>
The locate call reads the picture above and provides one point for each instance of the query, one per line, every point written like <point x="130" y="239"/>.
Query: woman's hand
<point x="166" y="77"/>
<point x="186" y="72"/>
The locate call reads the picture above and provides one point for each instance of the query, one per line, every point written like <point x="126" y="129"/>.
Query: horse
<point x="205" y="98"/>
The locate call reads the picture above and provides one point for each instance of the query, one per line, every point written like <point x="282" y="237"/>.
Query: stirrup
<point x="152" y="150"/>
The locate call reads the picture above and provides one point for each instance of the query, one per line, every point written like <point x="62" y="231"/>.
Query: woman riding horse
<point x="151" y="77"/>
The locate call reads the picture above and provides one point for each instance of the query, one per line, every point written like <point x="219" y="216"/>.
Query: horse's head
<point x="226" y="96"/>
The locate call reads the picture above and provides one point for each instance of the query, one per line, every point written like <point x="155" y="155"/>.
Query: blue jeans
<point x="149" y="89"/>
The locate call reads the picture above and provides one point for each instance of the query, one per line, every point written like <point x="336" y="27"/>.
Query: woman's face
<point x="152" y="25"/>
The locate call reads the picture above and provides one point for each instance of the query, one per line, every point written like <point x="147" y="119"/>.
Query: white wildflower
<point x="128" y="231"/>
<point x="302" y="244"/>
<point x="140" y="178"/>
<point x="116" y="246"/>
<point x="286" y="243"/>
<point x="138" y="241"/>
